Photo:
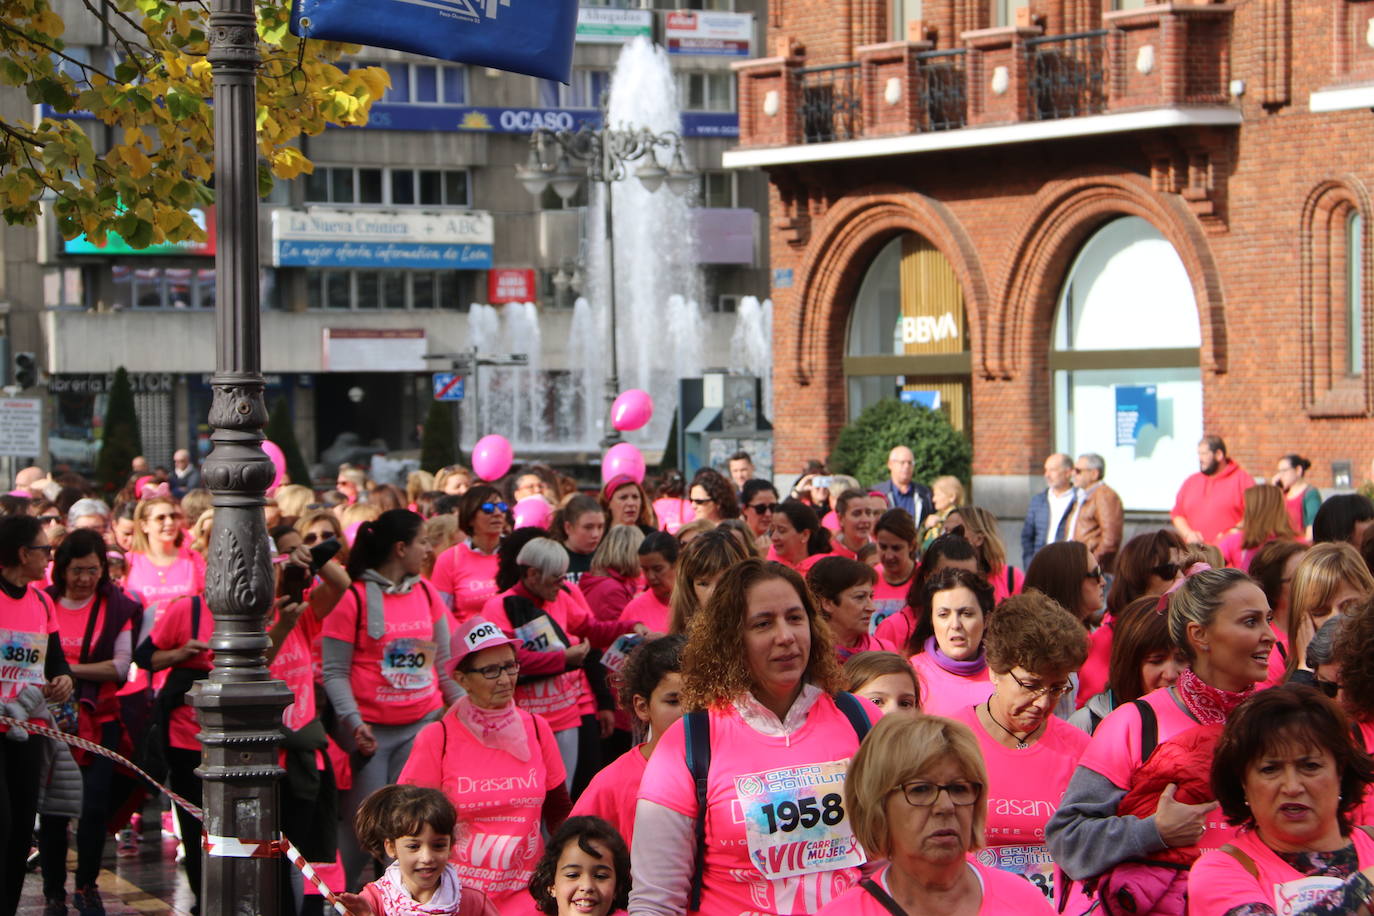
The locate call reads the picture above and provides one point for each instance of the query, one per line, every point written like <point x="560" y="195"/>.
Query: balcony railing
<point x="829" y="104"/>
<point x="1067" y="75"/>
<point x="944" y="89"/>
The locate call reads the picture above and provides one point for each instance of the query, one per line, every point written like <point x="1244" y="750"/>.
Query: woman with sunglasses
<point x="713" y="497"/>
<point x="465" y="574"/>
<point x="35" y="672"/>
<point x="917" y="798"/>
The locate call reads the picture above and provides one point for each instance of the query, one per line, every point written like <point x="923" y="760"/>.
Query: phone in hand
<point x="293" y="581"/>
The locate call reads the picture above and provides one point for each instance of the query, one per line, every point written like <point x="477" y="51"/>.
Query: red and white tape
<point x="230" y="847"/>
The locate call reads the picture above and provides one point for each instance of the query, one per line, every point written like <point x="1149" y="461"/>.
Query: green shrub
<point x="862" y="447"/>
<point x="282" y="431"/>
<point x="121" y="440"/>
<point x="436" y="447"/>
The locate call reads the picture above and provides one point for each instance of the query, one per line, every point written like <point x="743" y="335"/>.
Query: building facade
<point x="371" y="262"/>
<point x="1075" y="226"/>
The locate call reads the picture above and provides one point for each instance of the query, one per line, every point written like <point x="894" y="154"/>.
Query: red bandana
<point x="1209" y="705"/>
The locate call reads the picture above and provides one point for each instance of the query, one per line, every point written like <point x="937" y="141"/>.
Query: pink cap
<point x="476" y="634"/>
<point x="615" y="483"/>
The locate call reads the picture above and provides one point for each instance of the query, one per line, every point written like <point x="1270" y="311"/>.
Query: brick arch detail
<point x="1062" y="217"/>
<point x="839" y="255"/>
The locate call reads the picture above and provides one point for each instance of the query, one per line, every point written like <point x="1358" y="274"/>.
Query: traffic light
<point x="25" y="372"/>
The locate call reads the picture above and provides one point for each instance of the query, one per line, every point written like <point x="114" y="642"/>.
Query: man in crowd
<point x="185" y="475"/>
<point x="1047" y="517"/>
<point x="1212" y="501"/>
<point x="741" y="468"/>
<point x="900" y="490"/>
<point x="1097" y="519"/>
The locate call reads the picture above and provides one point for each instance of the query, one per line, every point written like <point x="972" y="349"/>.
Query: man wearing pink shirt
<point x="1212" y="501"/>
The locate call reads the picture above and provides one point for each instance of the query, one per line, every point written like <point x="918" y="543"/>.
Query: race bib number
<point x="1030" y="862"/>
<point x="21" y="658"/>
<point x="539" y="635"/>
<point x="795" y="822"/>
<point x="1295" y="896"/>
<point x="614" y="658"/>
<point x="408" y="663"/>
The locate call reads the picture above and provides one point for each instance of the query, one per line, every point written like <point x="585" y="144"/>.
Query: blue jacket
<point x="918" y="502"/>
<point x="1036" y="530"/>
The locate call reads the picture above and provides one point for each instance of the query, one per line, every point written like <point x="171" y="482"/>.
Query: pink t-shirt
<point x="1213" y="504"/>
<point x="466" y="578"/>
<point x="1092" y="677"/>
<point x="1000" y="592"/>
<point x="867" y="643"/>
<point x="750" y="775"/>
<point x="159" y="584"/>
<point x="673" y="513"/>
<point x="1114" y="751"/>
<point x="1024" y="788"/>
<point x="395" y="680"/>
<point x="943" y="693"/>
<point x="648" y="610"/>
<point x="171" y="631"/>
<point x="613" y="793"/>
<point x="294" y="664"/>
<point x="1218" y="883"/>
<point x="562" y="698"/>
<point x="25" y="626"/>
<point x="887" y="600"/>
<point x="1003" y="894"/>
<point x="1278" y="660"/>
<point x="499" y="799"/>
<point x="71" y="625"/>
<point x="896" y="630"/>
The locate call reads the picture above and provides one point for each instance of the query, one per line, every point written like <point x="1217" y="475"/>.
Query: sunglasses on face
<point x="489" y="508"/>
<point x="1166" y="570"/>
<point x="764" y="508"/>
<point x="1330" y="688"/>
<point x="46" y="548"/>
<point x="1094" y="574"/>
<point x="50" y="519"/>
<point x="701" y="502"/>
<point x="312" y="538"/>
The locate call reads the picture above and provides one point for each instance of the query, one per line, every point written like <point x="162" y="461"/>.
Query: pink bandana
<point x="1209" y="705"/>
<point x="499" y="729"/>
<point x="447" y="899"/>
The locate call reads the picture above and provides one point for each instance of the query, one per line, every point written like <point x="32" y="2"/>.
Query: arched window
<point x="1125" y="361"/>
<point x="1335" y="307"/>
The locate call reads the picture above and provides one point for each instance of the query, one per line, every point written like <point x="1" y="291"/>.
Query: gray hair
<point x="1197" y="601"/>
<point x="83" y="507"/>
<point x="1096" y="462"/>
<point x="545" y="555"/>
<point x="1322" y="649"/>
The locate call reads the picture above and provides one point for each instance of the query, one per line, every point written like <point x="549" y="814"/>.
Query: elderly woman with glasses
<point x="465" y="574"/>
<point x="917" y="796"/>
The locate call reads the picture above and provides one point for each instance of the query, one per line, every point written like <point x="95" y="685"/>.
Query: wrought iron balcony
<point x="829" y="104"/>
<point x="943" y="88"/>
<point x="1066" y="75"/>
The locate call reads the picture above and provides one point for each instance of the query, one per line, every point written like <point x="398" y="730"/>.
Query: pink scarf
<point x="499" y="729"/>
<point x="396" y="900"/>
<point x="1209" y="705"/>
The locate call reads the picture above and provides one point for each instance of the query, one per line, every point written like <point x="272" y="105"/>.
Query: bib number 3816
<point x="795" y="822"/>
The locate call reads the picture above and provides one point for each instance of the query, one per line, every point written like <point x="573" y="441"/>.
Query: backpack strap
<point x="85" y="655"/>
<point x="853" y="710"/>
<point x="1243" y="858"/>
<point x="1149" y="729"/>
<point x="1011" y="579"/>
<point x="195" y="616"/>
<point x="696" y="726"/>
<point x="884" y="899"/>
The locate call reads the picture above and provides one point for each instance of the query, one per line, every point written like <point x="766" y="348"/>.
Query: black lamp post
<point x="603" y="155"/>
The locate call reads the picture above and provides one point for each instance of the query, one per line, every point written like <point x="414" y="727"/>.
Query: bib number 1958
<point x="787" y="816"/>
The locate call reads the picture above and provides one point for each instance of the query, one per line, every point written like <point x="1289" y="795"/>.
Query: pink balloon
<point x="533" y="512"/>
<point x="278" y="461"/>
<point x="631" y="410"/>
<point x="623" y="458"/>
<point x="492" y="457"/>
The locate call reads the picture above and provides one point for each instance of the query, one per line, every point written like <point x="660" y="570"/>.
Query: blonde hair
<point x="201" y="531"/>
<point x="354" y="475"/>
<point x="992" y="553"/>
<point x="357" y="513"/>
<point x="898" y="750"/>
<point x="453" y="470"/>
<point x="1197" y="601"/>
<point x="692" y="529"/>
<point x="950" y="485"/>
<point x="618" y="551"/>
<point x="141" y="514"/>
<point x="418" y="482"/>
<point x="312" y="516"/>
<point x="293" y="498"/>
<point x="1320" y="573"/>
<point x="442" y="531"/>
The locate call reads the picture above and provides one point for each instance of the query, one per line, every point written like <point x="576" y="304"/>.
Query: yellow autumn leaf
<point x="377" y="80"/>
<point x="139" y="164"/>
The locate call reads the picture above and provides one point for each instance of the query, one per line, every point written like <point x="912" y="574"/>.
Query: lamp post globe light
<point x="563" y="159"/>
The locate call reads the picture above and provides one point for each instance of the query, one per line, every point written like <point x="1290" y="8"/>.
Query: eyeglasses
<point x="50" y="519"/>
<point x="1167" y="571"/>
<point x="924" y="794"/>
<point x="492" y="672"/>
<point x="1094" y="574"/>
<point x="46" y="548"/>
<point x="1330" y="688"/>
<point x="310" y="539"/>
<point x="762" y="508"/>
<point x="489" y="508"/>
<point x="1053" y="691"/>
<point x="701" y="502"/>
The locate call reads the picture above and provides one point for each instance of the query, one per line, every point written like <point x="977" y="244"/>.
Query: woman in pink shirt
<point x="1330" y="579"/>
<point x="1288" y="775"/>
<point x="797" y="536"/>
<point x="703" y="561"/>
<point x="386" y="650"/>
<point x="855" y="515"/>
<point x="896" y="535"/>
<point x="917" y="794"/>
<point x="765" y="831"/>
<point x="498" y="764"/>
<point x="626" y="503"/>
<point x="979" y="527"/>
<point x="946" y="648"/>
<point x="161" y="565"/>
<point x="613" y="578"/>
<point x="1265" y="519"/>
<point x="945" y="552"/>
<point x="1033" y="646"/>
<point x="844" y="588"/>
<point x="672" y="507"/>
<point x="465" y="574"/>
<point x="658" y="564"/>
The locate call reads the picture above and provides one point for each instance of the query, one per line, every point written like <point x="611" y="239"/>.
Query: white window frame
<point x="388" y="172"/>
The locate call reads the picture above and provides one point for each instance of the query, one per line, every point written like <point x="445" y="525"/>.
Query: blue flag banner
<point x="534" y="37"/>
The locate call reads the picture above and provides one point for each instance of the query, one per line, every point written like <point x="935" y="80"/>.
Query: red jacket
<point x="1184" y="760"/>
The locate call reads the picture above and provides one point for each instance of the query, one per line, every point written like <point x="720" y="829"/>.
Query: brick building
<point x="1073" y="227"/>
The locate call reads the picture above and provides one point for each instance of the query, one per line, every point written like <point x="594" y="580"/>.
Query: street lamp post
<point x="240" y="704"/>
<point x="605" y="154"/>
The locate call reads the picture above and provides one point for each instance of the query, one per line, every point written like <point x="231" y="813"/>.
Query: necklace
<point x="1021" y="743"/>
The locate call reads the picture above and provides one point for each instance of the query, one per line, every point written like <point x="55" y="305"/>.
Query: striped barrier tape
<point x="230" y="847"/>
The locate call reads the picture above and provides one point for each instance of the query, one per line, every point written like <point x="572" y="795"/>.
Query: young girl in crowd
<point x="585" y="872"/>
<point x="413" y="826"/>
<point x="886" y="680"/>
<point x="650" y="682"/>
<point x="658" y="564"/>
<point x="896" y="537"/>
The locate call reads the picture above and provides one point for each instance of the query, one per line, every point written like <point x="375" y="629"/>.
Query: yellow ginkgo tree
<point x="154" y="92"/>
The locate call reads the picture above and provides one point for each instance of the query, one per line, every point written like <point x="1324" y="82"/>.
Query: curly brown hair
<point x="1035" y="632"/>
<point x="715" y="670"/>
<point x="1355" y="655"/>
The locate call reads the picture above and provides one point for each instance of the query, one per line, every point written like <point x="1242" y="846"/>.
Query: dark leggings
<point x="182" y="779"/>
<point x="97" y="800"/>
<point x="20" y="772"/>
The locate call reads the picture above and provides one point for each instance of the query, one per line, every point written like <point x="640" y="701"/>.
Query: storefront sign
<point x="21" y="427"/>
<point x="374" y="350"/>
<point x="924" y="329"/>
<point x="1137" y="406"/>
<point x="102" y="383"/>
<point x="700" y="32"/>
<point x="115" y="245"/>
<point x="321" y="237"/>
<point x="505" y="285"/>
<point x="604" y="26"/>
<point x="444" y="118"/>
